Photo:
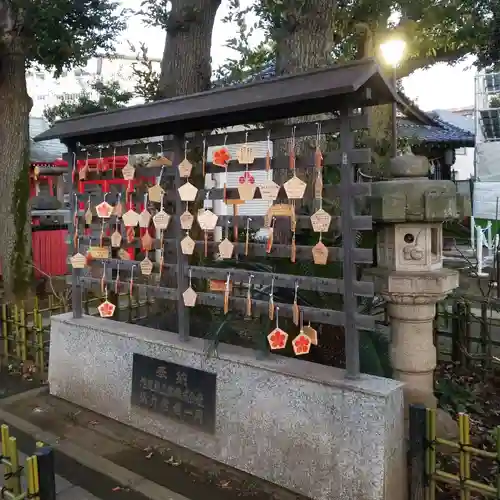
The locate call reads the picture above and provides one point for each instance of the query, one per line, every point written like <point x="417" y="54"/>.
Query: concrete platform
<point x="297" y="424"/>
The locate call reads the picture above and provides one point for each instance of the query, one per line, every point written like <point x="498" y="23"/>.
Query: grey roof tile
<point x="443" y="132"/>
<point x="47" y="151"/>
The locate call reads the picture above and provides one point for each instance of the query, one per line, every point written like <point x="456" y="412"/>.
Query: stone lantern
<point x="409" y="211"/>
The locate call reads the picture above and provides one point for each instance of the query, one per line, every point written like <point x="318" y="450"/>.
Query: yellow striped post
<point x="15" y="322"/>
<point x="14" y="464"/>
<point x="6" y="456"/>
<point x="5" y="335"/>
<point x="40" y="347"/>
<point x="464" y="432"/>
<point x="22" y="332"/>
<point x="32" y="477"/>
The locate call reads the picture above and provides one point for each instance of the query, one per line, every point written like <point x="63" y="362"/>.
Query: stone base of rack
<point x="300" y="425"/>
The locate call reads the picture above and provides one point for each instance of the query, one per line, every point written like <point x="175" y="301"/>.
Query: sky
<point x="440" y="87"/>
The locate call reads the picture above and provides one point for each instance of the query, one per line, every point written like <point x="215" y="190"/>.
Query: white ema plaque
<point x="295" y="188"/>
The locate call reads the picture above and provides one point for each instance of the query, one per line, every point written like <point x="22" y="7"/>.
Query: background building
<point x="46" y="90"/>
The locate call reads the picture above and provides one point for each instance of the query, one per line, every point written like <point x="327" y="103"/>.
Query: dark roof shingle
<point x="302" y="94"/>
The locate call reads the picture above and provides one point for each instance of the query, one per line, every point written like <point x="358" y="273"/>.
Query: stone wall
<point x="295" y="423"/>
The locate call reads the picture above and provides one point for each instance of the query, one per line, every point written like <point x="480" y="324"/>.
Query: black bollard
<point x="46" y="473"/>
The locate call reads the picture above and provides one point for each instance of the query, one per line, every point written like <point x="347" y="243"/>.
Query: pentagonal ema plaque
<point x="185" y="167"/>
<point x="320" y="253"/>
<point x="131" y="218"/>
<point x="187" y="220"/>
<point x="277" y="339"/>
<point x="301" y="344"/>
<point x="320" y="221"/>
<point x="78" y="261"/>
<point x="187" y="245"/>
<point x="106" y="309"/>
<point x="207" y="220"/>
<point x="161" y="220"/>
<point x="226" y="249"/>
<point x="155" y="193"/>
<point x="116" y="239"/>
<point x="144" y="218"/>
<point x="269" y="190"/>
<point x="246" y="191"/>
<point x="146" y="266"/>
<point x="312" y="334"/>
<point x="128" y="172"/>
<point x="104" y="210"/>
<point x="189" y="297"/>
<point x="295" y="188"/>
<point x="188" y="192"/>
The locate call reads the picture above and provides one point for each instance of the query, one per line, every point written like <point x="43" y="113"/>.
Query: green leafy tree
<point x="314" y="33"/>
<point x="102" y="96"/>
<point x="53" y="35"/>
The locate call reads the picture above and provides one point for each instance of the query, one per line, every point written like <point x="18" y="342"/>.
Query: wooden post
<point x="5" y="334"/>
<point x="416" y="452"/>
<point x="348" y="243"/>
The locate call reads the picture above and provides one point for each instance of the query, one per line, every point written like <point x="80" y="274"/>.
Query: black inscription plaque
<point x="175" y="391"/>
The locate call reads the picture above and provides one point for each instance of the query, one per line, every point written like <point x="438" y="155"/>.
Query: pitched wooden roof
<point x="355" y="84"/>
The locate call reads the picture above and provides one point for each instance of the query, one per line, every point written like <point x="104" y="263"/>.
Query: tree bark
<point x="186" y="64"/>
<point x="304" y="42"/>
<point x="186" y="69"/>
<point x="15" y="234"/>
<point x="379" y="137"/>
<point x="307" y="37"/>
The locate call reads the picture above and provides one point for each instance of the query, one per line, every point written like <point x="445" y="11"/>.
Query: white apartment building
<point x="46" y="90"/>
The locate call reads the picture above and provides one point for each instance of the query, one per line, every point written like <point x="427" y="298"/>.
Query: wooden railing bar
<point x="313" y="283"/>
<point x="159" y="291"/>
<point x="360" y="255"/>
<point x="259" y="307"/>
<point x="359" y="223"/>
<point x="329" y="191"/>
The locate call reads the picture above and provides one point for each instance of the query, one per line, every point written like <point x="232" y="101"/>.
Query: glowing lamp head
<point x="393" y="51"/>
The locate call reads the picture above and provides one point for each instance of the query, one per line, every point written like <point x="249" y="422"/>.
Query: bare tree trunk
<point x="186" y="65"/>
<point x="15" y="234"/>
<point x="379" y="137"/>
<point x="186" y="69"/>
<point x="307" y="38"/>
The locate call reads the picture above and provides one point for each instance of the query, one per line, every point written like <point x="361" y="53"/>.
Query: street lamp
<point x="393" y="51"/>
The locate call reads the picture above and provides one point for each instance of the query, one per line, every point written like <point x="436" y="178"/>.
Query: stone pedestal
<point x="413" y="354"/>
<point x="409" y="211"/>
<point x="298" y="424"/>
<point x="411" y="306"/>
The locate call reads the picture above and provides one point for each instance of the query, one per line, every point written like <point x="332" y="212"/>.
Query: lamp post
<point x="393" y="51"/>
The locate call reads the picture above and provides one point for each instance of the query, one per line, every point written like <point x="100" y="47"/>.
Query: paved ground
<point x="11" y="384"/>
<point x="156" y="464"/>
<point x="66" y="490"/>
